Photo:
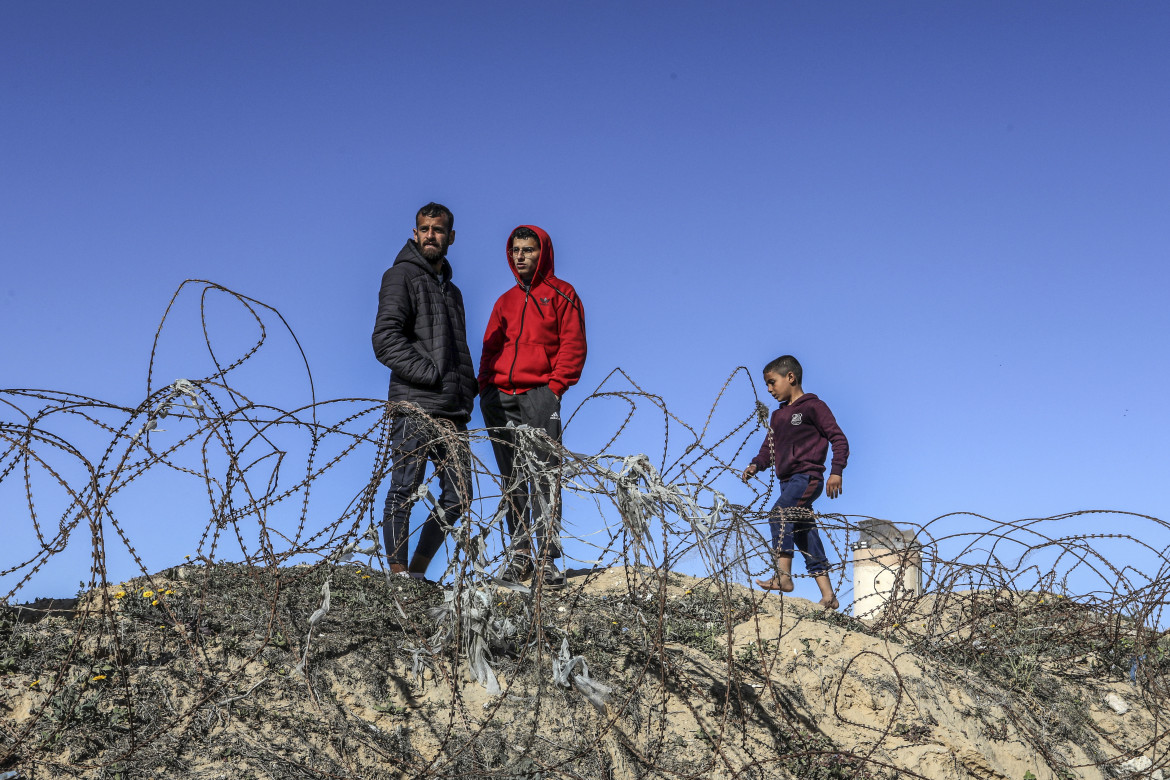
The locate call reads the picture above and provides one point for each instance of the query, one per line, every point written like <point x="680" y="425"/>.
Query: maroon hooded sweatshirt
<point x="798" y="441"/>
<point x="536" y="333"/>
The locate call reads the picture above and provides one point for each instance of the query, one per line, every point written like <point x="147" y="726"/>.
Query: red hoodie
<point x="536" y="334"/>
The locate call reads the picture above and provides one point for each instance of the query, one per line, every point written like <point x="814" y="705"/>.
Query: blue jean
<point x="412" y="444"/>
<point x="792" y="520"/>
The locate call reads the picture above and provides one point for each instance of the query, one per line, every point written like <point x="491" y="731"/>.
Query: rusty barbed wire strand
<point x="285" y="613"/>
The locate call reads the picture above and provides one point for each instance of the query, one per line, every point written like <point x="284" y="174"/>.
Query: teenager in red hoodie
<point x="533" y="350"/>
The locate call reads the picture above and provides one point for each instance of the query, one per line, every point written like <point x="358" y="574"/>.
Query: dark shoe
<point x="519" y="569"/>
<point x="552" y="577"/>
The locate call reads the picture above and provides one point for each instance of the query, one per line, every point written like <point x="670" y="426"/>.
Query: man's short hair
<point x="433" y="209"/>
<point x="784" y="365"/>
<point x="523" y="232"/>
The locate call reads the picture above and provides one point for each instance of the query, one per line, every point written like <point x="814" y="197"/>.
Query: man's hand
<point x="833" y="486"/>
<point x="749" y="471"/>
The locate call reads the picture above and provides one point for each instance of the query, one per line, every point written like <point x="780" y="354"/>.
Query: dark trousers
<point x="792" y="520"/>
<point x="413" y="443"/>
<point x="537" y="408"/>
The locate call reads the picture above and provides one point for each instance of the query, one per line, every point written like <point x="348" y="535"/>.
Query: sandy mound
<point x="194" y="673"/>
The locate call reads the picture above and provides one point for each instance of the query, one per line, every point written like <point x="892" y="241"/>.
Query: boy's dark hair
<point x="433" y="209"/>
<point x="783" y="365"/>
<point x="523" y="232"/>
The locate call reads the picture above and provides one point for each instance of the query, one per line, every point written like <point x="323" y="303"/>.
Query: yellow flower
<point x="154" y="603"/>
<point x="897" y="624"/>
<point x="993" y="625"/>
<point x="169" y="592"/>
<point x="187" y="557"/>
<point x="34" y="683"/>
<point x="99" y="677"/>
<point x="120" y="594"/>
<point x="688" y="592"/>
<point x="359" y="571"/>
<point x="365" y="576"/>
<point x="147" y="594"/>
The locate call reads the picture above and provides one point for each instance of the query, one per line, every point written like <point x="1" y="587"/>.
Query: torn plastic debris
<point x="642" y="495"/>
<point x="314" y="619"/>
<point x="354" y="548"/>
<point x="481" y="631"/>
<point x="180" y="387"/>
<point x="563" y="665"/>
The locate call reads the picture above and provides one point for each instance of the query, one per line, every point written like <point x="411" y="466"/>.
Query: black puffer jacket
<point x="421" y="336"/>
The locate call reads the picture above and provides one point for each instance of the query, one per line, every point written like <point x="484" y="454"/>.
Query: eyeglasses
<point x="527" y="251"/>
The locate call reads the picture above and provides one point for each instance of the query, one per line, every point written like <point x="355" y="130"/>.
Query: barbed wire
<point x="284" y="647"/>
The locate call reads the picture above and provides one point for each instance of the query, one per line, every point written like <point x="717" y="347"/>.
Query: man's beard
<point x="431" y="252"/>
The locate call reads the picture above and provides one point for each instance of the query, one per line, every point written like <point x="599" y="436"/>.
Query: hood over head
<point x="544" y="263"/>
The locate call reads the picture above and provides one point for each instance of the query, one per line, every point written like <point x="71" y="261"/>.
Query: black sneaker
<point x="519" y="569"/>
<point x="552" y="577"/>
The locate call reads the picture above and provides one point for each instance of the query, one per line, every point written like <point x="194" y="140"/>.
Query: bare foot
<point x="830" y="602"/>
<point x="781" y="582"/>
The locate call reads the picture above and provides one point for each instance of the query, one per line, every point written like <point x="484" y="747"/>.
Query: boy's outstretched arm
<point x="833" y="485"/>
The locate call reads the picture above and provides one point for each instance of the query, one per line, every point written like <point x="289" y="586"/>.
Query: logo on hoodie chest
<point x="797" y="419"/>
<point x="545" y="301"/>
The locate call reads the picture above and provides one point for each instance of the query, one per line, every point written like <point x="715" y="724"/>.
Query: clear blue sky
<point x="956" y="215"/>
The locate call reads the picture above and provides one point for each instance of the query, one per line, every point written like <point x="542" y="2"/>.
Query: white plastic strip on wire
<point x="642" y="495"/>
<point x="180" y="388"/>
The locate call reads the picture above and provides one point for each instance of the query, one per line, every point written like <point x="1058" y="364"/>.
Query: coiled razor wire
<point x="285" y="613"/>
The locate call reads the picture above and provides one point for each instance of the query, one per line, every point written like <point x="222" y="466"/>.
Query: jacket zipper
<point x="516" y="349"/>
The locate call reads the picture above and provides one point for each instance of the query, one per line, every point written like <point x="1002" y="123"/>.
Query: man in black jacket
<point x="421" y="336"/>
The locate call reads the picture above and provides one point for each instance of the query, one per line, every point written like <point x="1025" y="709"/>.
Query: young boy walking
<point x="797" y="443"/>
<point x="533" y="350"/>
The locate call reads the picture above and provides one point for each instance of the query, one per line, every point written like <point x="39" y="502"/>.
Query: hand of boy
<point x="833" y="486"/>
<point x="749" y="471"/>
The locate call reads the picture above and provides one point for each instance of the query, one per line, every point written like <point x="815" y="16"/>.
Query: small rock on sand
<point x="1116" y="703"/>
